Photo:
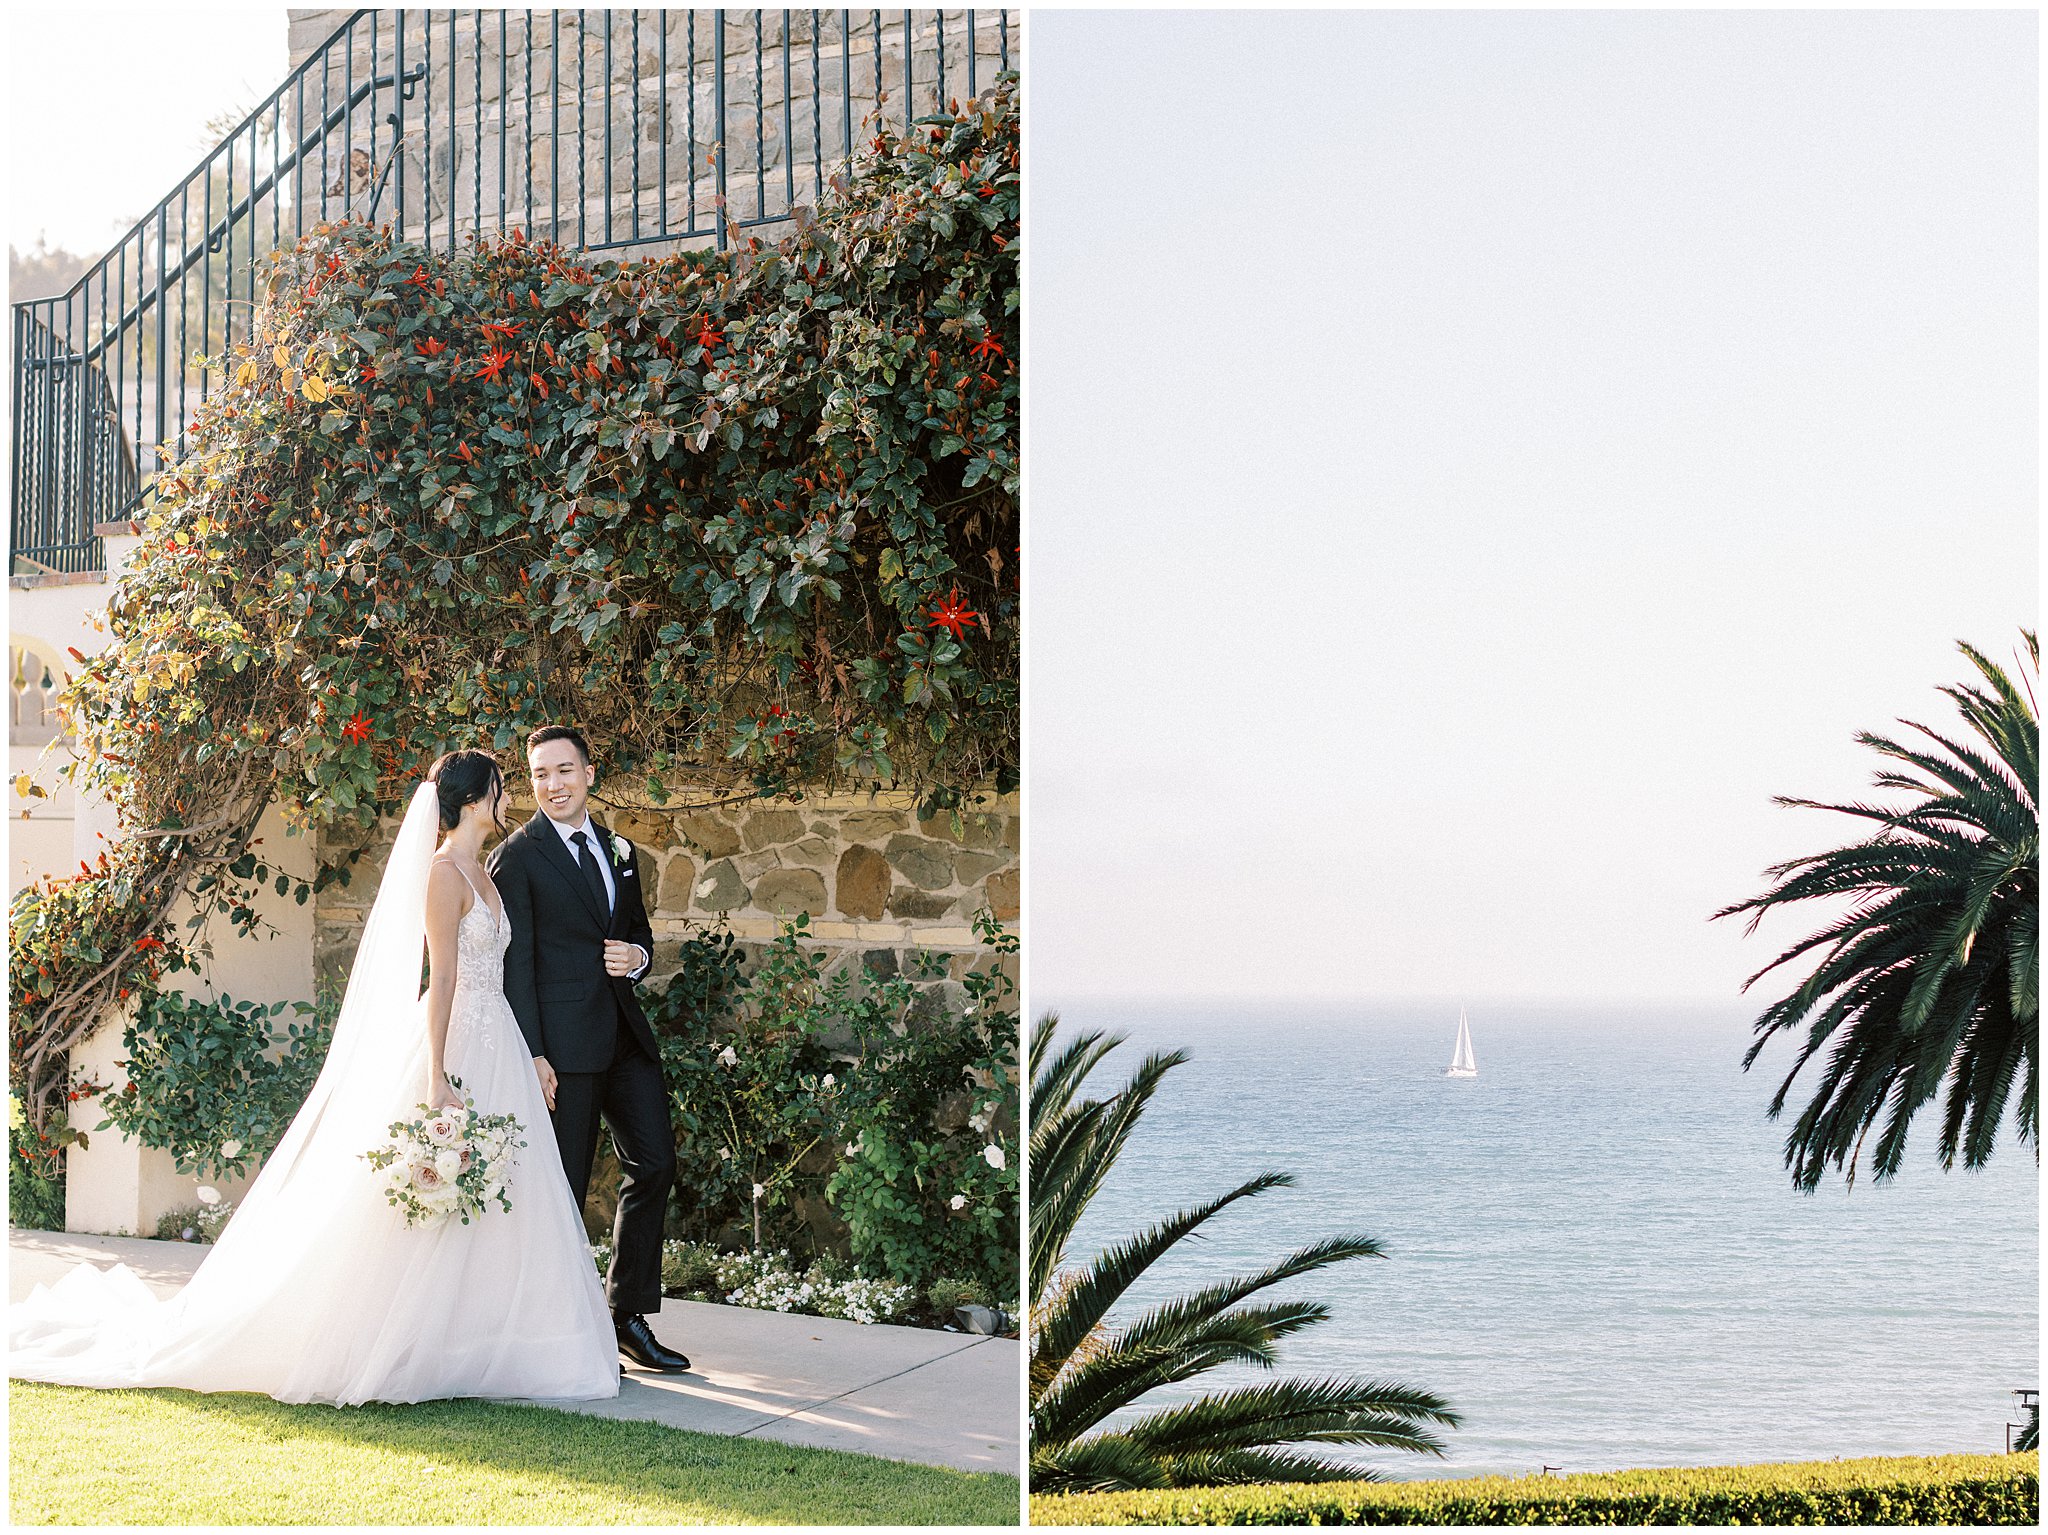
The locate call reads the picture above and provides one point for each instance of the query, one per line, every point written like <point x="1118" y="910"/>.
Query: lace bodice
<point x="481" y="937"/>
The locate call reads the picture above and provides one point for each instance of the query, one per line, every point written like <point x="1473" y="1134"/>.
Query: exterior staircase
<point x="628" y="131"/>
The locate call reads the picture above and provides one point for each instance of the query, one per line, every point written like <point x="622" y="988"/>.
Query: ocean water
<point x="1594" y="1250"/>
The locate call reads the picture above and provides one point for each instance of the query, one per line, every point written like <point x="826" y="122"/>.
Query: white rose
<point x="829" y="1081"/>
<point x="705" y="887"/>
<point x="724" y="1155"/>
<point x="728" y="1057"/>
<point x="444" y="1130"/>
<point x="759" y="1191"/>
<point x="958" y="1201"/>
<point x="426" y="1178"/>
<point x="993" y="1155"/>
<point x="208" y="1194"/>
<point x="621" y="847"/>
<point x="448" y="1163"/>
<point x="229" y="1150"/>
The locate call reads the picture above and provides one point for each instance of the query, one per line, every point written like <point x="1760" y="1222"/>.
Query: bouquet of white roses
<point x="447" y="1162"/>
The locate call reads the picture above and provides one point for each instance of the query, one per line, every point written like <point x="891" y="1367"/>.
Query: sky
<point x="107" y="107"/>
<point x="1476" y="460"/>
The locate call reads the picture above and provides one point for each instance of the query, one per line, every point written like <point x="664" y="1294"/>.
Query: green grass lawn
<point x="174" y="1457"/>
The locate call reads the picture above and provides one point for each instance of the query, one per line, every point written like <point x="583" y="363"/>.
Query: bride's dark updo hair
<point x="463" y="778"/>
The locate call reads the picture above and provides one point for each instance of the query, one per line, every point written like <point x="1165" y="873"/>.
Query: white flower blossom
<point x="829" y="1081"/>
<point x="993" y="1155"/>
<point x="724" y="1154"/>
<point x="759" y="1191"/>
<point x="706" y="886"/>
<point x="728" y="1057"/>
<point x="229" y="1150"/>
<point x="958" y="1201"/>
<point x="208" y="1194"/>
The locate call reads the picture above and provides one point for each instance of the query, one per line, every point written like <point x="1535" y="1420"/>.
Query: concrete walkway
<point x="905" y="1393"/>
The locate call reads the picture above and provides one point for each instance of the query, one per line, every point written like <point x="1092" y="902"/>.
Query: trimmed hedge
<point x="1937" y="1489"/>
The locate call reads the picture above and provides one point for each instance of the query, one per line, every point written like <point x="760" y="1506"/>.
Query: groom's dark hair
<point x="568" y="733"/>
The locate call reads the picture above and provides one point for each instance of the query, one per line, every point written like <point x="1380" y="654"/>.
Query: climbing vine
<point x="747" y="518"/>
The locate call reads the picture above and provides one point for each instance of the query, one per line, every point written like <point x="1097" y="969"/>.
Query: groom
<point x="580" y="939"/>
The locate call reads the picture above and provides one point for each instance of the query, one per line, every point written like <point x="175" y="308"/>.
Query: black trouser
<point x="633" y="1100"/>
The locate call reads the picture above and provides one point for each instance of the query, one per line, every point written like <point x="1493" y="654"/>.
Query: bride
<point x="318" y="1291"/>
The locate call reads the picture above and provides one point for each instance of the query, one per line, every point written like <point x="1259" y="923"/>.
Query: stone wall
<point x="793" y="95"/>
<point x="878" y="883"/>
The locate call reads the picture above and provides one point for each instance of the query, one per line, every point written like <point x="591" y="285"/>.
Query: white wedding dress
<point x="318" y="1291"/>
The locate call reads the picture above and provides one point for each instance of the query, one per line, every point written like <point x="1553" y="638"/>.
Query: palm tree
<point x="1933" y="976"/>
<point x="1083" y="1369"/>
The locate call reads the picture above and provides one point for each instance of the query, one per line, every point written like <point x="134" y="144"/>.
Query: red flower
<point x="987" y="189"/>
<point x="462" y="452"/>
<point x="706" y="335"/>
<point x="333" y="265"/>
<point x="430" y="347"/>
<point x="357" y="728"/>
<point x="494" y="364"/>
<point x="537" y="382"/>
<point x="419" y="278"/>
<point x="984" y="347"/>
<point x="950" y="615"/>
<point x="369" y="375"/>
<point x="146" y="943"/>
<point x="502" y="329"/>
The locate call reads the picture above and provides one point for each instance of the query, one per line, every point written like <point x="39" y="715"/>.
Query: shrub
<point x="945" y="1296"/>
<point x="869" y="1094"/>
<point x="920" y="1200"/>
<point x="1947" y="1489"/>
<point x="35" y="1180"/>
<point x="204" y="1222"/>
<point x="770" y="1281"/>
<point x="689" y="1270"/>
<point x="203" y="1083"/>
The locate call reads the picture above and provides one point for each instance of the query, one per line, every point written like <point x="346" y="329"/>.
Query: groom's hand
<point x="548" y="1080"/>
<point x="622" y="958"/>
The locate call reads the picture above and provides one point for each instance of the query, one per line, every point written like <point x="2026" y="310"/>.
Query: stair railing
<point x="598" y="129"/>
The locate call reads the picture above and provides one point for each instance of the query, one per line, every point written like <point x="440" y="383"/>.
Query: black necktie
<point x="586" y="858"/>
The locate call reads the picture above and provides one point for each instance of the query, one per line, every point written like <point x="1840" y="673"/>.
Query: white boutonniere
<point x="622" y="850"/>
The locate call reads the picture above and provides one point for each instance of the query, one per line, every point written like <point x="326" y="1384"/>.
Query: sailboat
<point x="1462" y="1064"/>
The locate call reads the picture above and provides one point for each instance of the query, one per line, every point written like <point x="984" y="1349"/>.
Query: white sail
<point x="1462" y="1064"/>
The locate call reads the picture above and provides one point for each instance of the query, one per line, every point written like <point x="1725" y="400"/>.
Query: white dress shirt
<point x="604" y="871"/>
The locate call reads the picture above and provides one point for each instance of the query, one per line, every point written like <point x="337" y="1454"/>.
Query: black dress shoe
<point x="638" y="1343"/>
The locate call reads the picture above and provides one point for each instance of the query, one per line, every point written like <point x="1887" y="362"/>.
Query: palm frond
<point x="1927" y="989"/>
<point x="1084" y="1370"/>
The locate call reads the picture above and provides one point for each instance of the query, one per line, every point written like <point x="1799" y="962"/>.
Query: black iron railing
<point x="598" y="129"/>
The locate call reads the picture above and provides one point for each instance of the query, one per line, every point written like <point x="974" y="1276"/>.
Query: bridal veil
<point x="278" y="1305"/>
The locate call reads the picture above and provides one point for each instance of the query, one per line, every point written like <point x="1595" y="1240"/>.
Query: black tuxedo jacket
<point x="568" y="1008"/>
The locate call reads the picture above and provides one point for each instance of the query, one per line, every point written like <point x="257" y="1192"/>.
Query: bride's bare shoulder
<point x="448" y="886"/>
